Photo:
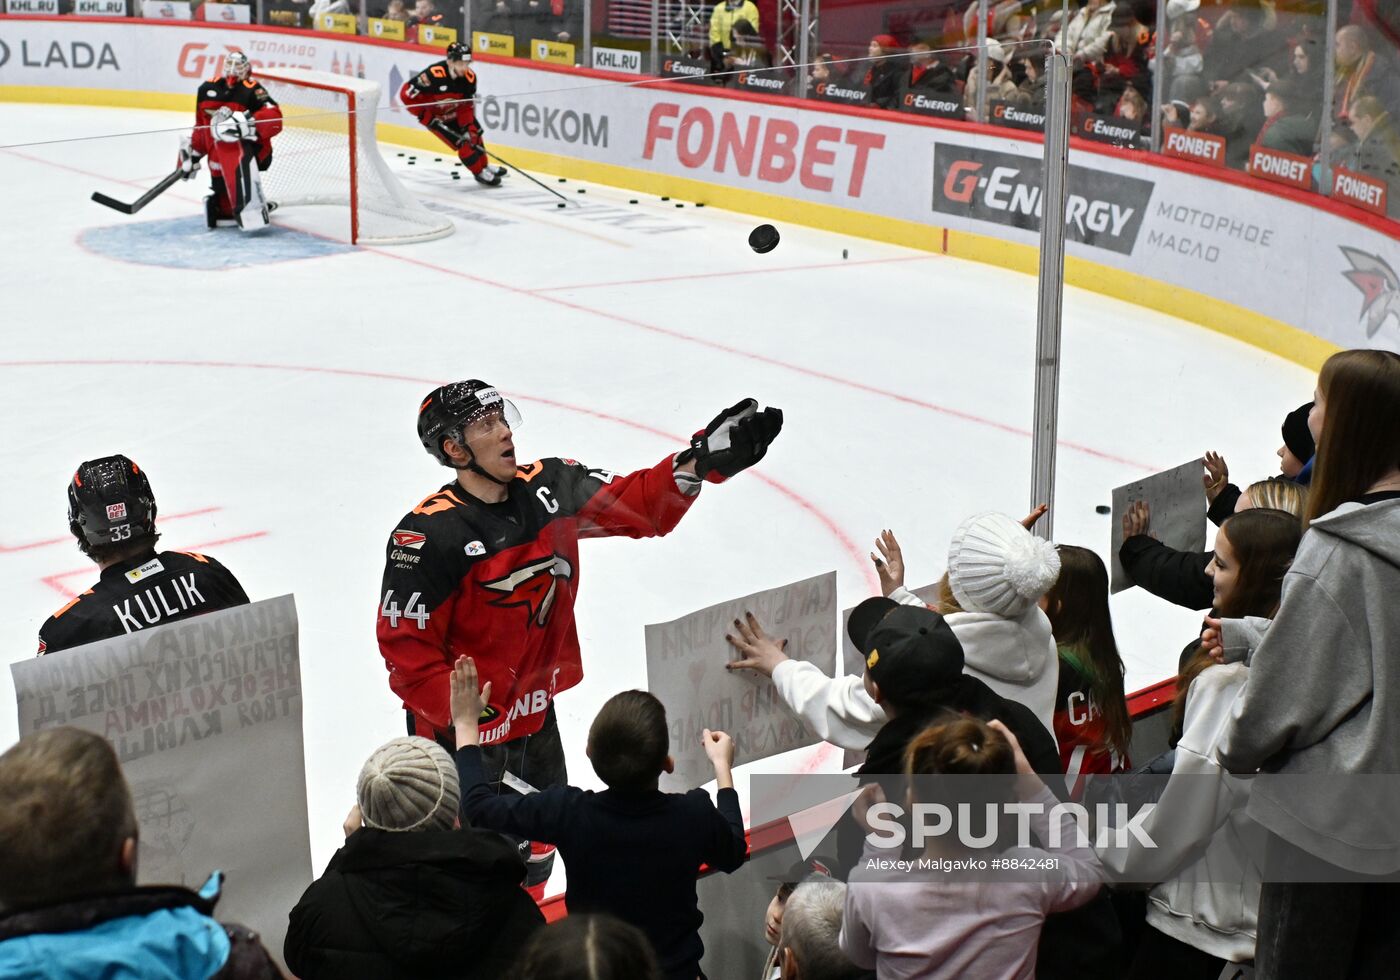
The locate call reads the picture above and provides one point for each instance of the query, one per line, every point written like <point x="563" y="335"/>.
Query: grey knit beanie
<point x="996" y="566"/>
<point x="409" y="784"/>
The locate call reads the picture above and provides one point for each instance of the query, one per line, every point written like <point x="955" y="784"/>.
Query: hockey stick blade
<point x="165" y="184"/>
<point x="493" y="156"/>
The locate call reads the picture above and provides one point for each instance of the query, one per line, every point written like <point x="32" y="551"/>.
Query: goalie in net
<point x="235" y="121"/>
<point x="442" y="98"/>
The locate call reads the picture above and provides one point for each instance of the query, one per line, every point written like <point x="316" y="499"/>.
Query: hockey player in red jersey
<point x="441" y="97"/>
<point x="488" y="566"/>
<point x="235" y="121"/>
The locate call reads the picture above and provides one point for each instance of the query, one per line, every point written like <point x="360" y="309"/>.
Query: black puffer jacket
<point x="421" y="905"/>
<point x="1177" y="576"/>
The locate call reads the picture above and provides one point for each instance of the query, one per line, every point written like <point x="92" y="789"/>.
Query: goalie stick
<point x="165" y="184"/>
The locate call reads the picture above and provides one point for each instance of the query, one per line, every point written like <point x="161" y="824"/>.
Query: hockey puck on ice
<point x="680" y="205"/>
<point x="764" y="238"/>
<point x="560" y="204"/>
<point x="699" y="204"/>
<point x="843" y="253"/>
<point x="665" y="199"/>
<point x="1103" y="509"/>
<point x="632" y="201"/>
<point x="563" y="180"/>
<point x="437" y="159"/>
<point x="582" y="190"/>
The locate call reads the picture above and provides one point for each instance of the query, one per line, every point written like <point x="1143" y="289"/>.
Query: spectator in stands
<point x="1305" y="72"/>
<point x="1177" y="115"/>
<point x="1245" y="42"/>
<point x="1124" y="59"/>
<point x="329" y="7"/>
<point x="1180" y="577"/>
<point x="1001" y="85"/>
<point x="588" y="947"/>
<point x="1092" y="727"/>
<point x="1204" y="912"/>
<point x="1294" y="456"/>
<point x="1085" y="38"/>
<point x="1341" y="142"/>
<point x="1361" y="71"/>
<point x="71" y="906"/>
<point x="1132" y="107"/>
<point x="1286" y="126"/>
<point x="395" y="11"/>
<point x="824" y="70"/>
<point x="498" y="18"/>
<point x="928" y="74"/>
<point x="883" y="73"/>
<point x="722" y="20"/>
<point x="409" y="895"/>
<point x="1323" y="697"/>
<point x="599" y="835"/>
<point x="810" y="946"/>
<point x="1240" y="119"/>
<point x="1377" y="151"/>
<point x="1182" y="62"/>
<point x="816" y="868"/>
<point x="962" y="924"/>
<point x="746" y="48"/>
<point x="1205" y="116"/>
<point x="424" y="12"/>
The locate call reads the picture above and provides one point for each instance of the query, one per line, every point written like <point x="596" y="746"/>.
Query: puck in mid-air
<point x="1103" y="509"/>
<point x="764" y="238"/>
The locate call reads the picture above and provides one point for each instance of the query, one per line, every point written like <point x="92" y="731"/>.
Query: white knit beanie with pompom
<point x="996" y="566"/>
<point x="409" y="783"/>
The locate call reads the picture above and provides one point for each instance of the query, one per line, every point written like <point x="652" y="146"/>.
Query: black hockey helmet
<point x="449" y="409"/>
<point x="457" y="51"/>
<point x="110" y="501"/>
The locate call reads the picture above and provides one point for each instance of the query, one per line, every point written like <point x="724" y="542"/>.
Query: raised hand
<point x="467" y="703"/>
<point x="889" y="564"/>
<point x="758" y="651"/>
<point x="1137" y="519"/>
<point x="1216" y="476"/>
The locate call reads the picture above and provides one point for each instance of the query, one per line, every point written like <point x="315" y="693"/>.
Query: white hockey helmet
<point x="237" y="65"/>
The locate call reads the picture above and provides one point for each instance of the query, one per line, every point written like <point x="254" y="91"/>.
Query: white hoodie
<point x="1016" y="658"/>
<point x="1208" y="896"/>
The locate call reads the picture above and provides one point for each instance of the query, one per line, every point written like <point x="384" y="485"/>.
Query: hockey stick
<point x="165" y="184"/>
<point x="522" y="173"/>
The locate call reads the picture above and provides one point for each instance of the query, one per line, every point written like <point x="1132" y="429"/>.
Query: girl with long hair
<point x="1092" y="725"/>
<point x="1322" y="706"/>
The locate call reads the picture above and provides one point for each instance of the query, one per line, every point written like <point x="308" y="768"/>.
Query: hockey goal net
<point x="327" y="154"/>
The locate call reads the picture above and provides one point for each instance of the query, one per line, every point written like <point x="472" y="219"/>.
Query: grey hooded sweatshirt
<point x="1323" y="699"/>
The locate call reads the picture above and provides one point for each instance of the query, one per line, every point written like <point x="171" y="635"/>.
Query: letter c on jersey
<point x="546" y="498"/>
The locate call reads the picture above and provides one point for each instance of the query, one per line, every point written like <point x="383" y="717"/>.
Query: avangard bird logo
<point x="532" y="586"/>
<point x="1379" y="285"/>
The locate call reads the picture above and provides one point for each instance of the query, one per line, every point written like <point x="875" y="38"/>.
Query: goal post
<point x="327" y="155"/>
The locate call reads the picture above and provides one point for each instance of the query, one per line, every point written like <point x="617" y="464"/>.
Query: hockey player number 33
<point x="413" y="610"/>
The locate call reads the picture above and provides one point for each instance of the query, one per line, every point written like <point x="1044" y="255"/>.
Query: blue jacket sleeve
<point x="542" y="816"/>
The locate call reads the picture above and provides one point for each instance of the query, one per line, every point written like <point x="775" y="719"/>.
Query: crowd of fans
<point x="1013" y="672"/>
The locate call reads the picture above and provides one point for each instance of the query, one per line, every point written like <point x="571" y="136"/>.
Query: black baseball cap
<point x="865" y="617"/>
<point x="913" y="651"/>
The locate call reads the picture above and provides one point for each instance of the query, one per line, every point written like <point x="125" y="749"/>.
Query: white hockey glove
<point x="247" y="127"/>
<point x="189" y="159"/>
<point x="225" y="127"/>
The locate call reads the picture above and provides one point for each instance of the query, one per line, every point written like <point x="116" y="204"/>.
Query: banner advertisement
<point x="435" y="35"/>
<point x="99" y="8"/>
<point x="225" y="13"/>
<point x="337" y="23"/>
<point x="844" y="94"/>
<point x="1360" y="190"/>
<point x="685" y="670"/>
<point x="1110" y="129"/>
<point x="502" y="45"/>
<point x="1134" y="213"/>
<point x="617" y="59"/>
<point x="1183" y="144"/>
<point x="552" y="52"/>
<point x="940" y="106"/>
<point x="1280" y="167"/>
<point x="1005" y="114"/>
<point x="205" y="716"/>
<point x="46" y="7"/>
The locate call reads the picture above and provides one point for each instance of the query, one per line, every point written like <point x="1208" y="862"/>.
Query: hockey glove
<point x="247" y="128"/>
<point x="454" y="136"/>
<point x="736" y="439"/>
<point x="189" y="159"/>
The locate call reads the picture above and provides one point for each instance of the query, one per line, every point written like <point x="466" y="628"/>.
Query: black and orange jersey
<point x="434" y="92"/>
<point x="247" y="95"/>
<point x="150" y="590"/>
<point x="497" y="582"/>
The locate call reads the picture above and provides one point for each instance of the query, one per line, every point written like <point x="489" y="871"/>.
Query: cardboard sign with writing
<point x="1185" y="144"/>
<point x="205" y="716"/>
<point x="1177" y="502"/>
<point x="685" y="669"/>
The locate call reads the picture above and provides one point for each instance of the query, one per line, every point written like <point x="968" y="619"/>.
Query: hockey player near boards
<point x="488" y="566"/>
<point x="235" y="121"/>
<point x="441" y="97"/>
<point x="112" y="513"/>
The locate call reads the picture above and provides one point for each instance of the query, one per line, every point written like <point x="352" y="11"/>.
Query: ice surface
<point x="273" y="402"/>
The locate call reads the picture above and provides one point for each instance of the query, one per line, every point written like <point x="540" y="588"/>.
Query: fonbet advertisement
<point x="1331" y="273"/>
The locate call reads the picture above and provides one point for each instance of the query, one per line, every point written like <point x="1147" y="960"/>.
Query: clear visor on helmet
<point x="502" y="410"/>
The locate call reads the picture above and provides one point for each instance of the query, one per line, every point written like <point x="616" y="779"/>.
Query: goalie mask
<point x="448" y="410"/>
<point x="237" y="67"/>
<point x="110" y="501"/>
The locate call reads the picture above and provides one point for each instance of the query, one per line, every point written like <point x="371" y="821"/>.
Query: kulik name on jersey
<point x="184" y="591"/>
